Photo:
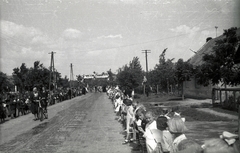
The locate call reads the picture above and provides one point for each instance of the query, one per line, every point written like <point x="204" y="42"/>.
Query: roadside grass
<point x="190" y="113"/>
<point x="218" y="109"/>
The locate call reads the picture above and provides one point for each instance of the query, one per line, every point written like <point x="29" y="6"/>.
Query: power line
<point x="123" y="46"/>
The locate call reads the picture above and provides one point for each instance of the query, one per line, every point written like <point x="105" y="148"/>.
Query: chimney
<point x="208" y="38"/>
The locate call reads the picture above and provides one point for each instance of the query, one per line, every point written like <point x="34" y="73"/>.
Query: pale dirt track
<point x="86" y="124"/>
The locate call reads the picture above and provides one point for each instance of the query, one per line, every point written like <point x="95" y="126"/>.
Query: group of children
<point x="161" y="133"/>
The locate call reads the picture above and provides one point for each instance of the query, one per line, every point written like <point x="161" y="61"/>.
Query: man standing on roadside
<point x="44" y="103"/>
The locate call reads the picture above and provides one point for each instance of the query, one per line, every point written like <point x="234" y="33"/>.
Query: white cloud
<point x="22" y="36"/>
<point x="10" y="29"/>
<point x="185" y="30"/>
<point x="71" y="34"/>
<point x="111" y="36"/>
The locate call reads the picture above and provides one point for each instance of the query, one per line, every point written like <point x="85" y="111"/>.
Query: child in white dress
<point x="151" y="143"/>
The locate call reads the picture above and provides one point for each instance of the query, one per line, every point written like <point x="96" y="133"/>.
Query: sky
<point x="99" y="35"/>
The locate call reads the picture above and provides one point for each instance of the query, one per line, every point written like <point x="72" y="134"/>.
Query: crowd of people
<point x="164" y="132"/>
<point x="15" y="104"/>
<point x="154" y="133"/>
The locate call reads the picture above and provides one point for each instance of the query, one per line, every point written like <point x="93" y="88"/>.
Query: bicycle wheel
<point x="40" y="114"/>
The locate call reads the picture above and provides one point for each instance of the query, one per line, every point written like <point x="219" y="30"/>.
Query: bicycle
<point x="42" y="111"/>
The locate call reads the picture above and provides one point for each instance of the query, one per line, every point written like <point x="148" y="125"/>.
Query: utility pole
<point x="146" y="52"/>
<point x="50" y="78"/>
<point x="71" y="78"/>
<point x="216" y="30"/>
<point x="52" y="69"/>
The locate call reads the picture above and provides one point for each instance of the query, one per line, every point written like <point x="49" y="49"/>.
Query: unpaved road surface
<point x="85" y="124"/>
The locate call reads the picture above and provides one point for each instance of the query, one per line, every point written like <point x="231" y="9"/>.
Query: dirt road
<point x="84" y="124"/>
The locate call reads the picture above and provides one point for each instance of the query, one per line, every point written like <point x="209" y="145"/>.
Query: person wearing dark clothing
<point x="84" y="90"/>
<point x="35" y="99"/>
<point x="44" y="101"/>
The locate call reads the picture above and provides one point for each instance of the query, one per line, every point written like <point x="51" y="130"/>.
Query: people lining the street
<point x="129" y="122"/>
<point x="165" y="137"/>
<point x="171" y="130"/>
<point x="227" y="143"/>
<point x="44" y="102"/>
<point x="16" y="104"/>
<point x="189" y="146"/>
<point x="35" y="99"/>
<point x="177" y="128"/>
<point x="151" y="143"/>
<point x="139" y="124"/>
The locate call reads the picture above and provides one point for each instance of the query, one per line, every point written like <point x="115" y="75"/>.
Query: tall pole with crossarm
<point x="71" y="78"/>
<point x="51" y="70"/>
<point x="146" y="52"/>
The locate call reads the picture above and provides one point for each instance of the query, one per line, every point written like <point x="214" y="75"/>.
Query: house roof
<point x="207" y="48"/>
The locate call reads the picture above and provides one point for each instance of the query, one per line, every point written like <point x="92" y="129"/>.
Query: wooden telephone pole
<point x="71" y="78"/>
<point x="52" y="69"/>
<point x="146" y="52"/>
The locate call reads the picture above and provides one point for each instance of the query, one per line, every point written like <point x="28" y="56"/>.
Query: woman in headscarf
<point x="35" y="99"/>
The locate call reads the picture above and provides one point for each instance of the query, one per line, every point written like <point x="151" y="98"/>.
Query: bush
<point x="136" y="96"/>
<point x="230" y="104"/>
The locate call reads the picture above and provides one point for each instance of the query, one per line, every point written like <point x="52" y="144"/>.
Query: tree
<point x="64" y="82"/>
<point x="5" y="83"/>
<point x="21" y="77"/>
<point x="163" y="73"/>
<point x="183" y="72"/>
<point x="39" y="75"/>
<point x="111" y="79"/>
<point x="130" y="77"/>
<point x="26" y="78"/>
<point x="220" y="66"/>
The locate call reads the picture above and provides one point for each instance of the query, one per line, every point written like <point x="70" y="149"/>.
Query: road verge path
<point x="84" y="124"/>
<point x="101" y="132"/>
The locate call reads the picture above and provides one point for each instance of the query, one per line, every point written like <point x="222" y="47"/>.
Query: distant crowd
<point x="164" y="132"/>
<point x="15" y="104"/>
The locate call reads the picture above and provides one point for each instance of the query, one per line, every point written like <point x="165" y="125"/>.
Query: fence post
<point x="213" y="96"/>
<point x="220" y="97"/>
<point x="238" y="121"/>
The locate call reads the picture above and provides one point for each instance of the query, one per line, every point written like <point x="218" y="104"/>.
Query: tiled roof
<point x="206" y="49"/>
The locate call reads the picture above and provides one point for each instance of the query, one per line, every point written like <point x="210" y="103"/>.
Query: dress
<point x="167" y="141"/>
<point x="44" y="98"/>
<point x="151" y="144"/>
<point x="129" y="118"/>
<point x="34" y="102"/>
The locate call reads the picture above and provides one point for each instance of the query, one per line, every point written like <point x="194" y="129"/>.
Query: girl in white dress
<point x="151" y="143"/>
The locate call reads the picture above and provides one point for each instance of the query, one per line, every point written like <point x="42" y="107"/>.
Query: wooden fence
<point x="228" y="97"/>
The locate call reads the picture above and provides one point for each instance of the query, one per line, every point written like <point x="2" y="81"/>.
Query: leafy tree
<point x="183" y="72"/>
<point x="163" y="73"/>
<point x="64" y="82"/>
<point x="130" y="76"/>
<point x="220" y="66"/>
<point x="111" y="79"/>
<point x="5" y="83"/>
<point x="21" y="78"/>
<point x="26" y="78"/>
<point x="39" y="75"/>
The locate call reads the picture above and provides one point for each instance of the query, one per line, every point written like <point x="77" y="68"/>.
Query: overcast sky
<point x="98" y="35"/>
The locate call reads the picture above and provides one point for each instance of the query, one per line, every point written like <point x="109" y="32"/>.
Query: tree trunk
<point x="182" y="90"/>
